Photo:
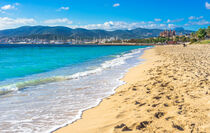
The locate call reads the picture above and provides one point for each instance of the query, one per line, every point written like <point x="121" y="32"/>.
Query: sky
<point x="106" y="14"/>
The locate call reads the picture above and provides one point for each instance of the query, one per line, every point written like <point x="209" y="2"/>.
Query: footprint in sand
<point x="143" y="125"/>
<point x="159" y="114"/>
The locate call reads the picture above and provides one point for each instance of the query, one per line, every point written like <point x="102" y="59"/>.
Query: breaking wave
<point x="119" y="60"/>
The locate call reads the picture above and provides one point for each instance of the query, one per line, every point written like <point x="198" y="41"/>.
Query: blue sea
<point x="44" y="87"/>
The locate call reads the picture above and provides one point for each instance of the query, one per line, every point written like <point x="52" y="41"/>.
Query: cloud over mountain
<point x="58" y="20"/>
<point x="6" y="22"/>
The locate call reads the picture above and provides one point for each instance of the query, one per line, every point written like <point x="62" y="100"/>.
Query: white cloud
<point x="158" y="19"/>
<point x="116" y="5"/>
<point x="63" y="8"/>
<point x="175" y="20"/>
<point x="207" y="5"/>
<point x="24" y="21"/>
<point x="196" y="18"/>
<point x="58" y="20"/>
<point x="171" y="26"/>
<point x="6" y="22"/>
<point x="201" y="22"/>
<point x="7" y="7"/>
<point x="110" y="25"/>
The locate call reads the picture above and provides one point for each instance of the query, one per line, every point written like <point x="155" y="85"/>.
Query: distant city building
<point x="168" y="33"/>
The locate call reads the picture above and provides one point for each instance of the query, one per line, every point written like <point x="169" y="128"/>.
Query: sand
<point x="169" y="92"/>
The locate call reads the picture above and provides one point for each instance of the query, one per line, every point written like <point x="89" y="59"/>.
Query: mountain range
<point x="46" y="32"/>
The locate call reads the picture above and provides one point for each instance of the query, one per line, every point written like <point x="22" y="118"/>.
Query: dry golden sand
<point x="170" y="92"/>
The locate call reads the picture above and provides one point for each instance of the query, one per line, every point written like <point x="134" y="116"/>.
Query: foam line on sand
<point x="169" y="92"/>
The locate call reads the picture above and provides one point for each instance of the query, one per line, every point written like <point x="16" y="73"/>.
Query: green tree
<point x="184" y="39"/>
<point x="208" y="31"/>
<point x="193" y="35"/>
<point x="176" y="38"/>
<point x="187" y="39"/>
<point x="201" y="33"/>
<point x="193" y="40"/>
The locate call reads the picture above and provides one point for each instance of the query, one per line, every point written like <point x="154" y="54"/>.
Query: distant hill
<point x="181" y="30"/>
<point x="47" y="32"/>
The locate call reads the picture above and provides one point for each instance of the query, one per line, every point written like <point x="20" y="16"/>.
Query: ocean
<point x="44" y="87"/>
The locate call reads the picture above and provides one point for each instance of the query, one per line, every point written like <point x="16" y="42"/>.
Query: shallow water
<point x="65" y="81"/>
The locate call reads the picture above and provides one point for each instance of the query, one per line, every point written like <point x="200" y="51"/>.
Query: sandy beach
<point x="169" y="92"/>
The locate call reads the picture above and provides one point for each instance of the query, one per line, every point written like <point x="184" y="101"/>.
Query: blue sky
<point x="106" y="14"/>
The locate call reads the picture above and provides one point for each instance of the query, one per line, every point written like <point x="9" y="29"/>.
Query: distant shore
<point x="100" y="44"/>
<point x="137" y="44"/>
<point x="169" y="92"/>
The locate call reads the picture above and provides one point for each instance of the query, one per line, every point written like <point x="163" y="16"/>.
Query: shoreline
<point x="169" y="92"/>
<point x="97" y="83"/>
<point x="126" y="81"/>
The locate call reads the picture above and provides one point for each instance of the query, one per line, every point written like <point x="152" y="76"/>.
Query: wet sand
<point x="169" y="92"/>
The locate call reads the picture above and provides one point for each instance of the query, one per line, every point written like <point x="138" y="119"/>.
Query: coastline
<point x="104" y="73"/>
<point x="169" y="92"/>
<point x="129" y="78"/>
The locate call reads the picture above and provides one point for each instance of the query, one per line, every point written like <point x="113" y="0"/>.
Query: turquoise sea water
<point x="22" y="61"/>
<point x="44" y="87"/>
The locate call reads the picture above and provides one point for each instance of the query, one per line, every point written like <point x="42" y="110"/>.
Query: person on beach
<point x="184" y="45"/>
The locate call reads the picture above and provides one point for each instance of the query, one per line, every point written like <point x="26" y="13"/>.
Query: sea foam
<point x="55" y="101"/>
<point x="119" y="60"/>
